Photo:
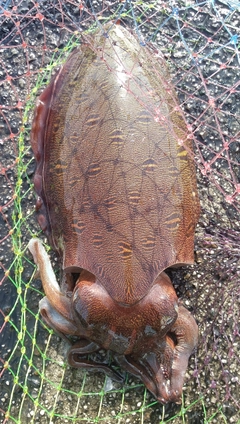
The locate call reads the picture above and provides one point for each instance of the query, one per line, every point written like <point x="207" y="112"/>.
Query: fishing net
<point x="200" y="43"/>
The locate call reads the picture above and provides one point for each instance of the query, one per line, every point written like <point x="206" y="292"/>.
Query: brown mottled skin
<point x="118" y="202"/>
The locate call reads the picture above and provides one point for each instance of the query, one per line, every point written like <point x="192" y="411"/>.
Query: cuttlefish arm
<point x="55" y="307"/>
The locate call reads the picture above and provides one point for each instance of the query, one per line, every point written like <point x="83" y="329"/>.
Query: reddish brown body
<point x="118" y="201"/>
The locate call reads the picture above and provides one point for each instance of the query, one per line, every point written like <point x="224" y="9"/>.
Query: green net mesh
<point x="200" y="42"/>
